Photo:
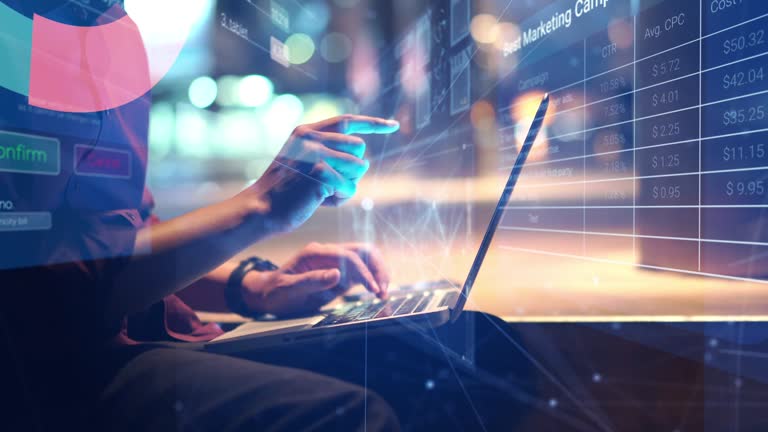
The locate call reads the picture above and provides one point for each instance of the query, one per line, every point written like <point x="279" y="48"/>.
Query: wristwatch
<point x="233" y="291"/>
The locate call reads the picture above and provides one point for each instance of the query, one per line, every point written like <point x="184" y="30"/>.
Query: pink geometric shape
<point x="88" y="69"/>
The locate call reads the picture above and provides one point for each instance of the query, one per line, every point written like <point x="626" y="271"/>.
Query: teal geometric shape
<point x="15" y="50"/>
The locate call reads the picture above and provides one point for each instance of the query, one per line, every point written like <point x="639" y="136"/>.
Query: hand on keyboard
<point x="314" y="277"/>
<point x="398" y="305"/>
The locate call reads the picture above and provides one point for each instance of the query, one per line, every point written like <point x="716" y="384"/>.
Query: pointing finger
<point x="357" y="124"/>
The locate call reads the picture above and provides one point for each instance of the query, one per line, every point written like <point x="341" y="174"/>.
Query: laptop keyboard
<point x="375" y="308"/>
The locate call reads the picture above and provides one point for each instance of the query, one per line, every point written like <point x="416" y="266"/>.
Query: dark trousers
<point x="460" y="376"/>
<point x="536" y="377"/>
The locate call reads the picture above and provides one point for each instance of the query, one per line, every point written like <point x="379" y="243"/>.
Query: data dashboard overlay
<point x="657" y="140"/>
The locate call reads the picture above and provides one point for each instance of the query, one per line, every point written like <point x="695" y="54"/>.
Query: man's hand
<point x="314" y="277"/>
<point x="320" y="164"/>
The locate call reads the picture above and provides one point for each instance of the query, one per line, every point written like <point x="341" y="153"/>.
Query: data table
<point x="657" y="139"/>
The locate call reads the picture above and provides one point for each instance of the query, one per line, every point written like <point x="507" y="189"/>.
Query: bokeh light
<point x="255" y="90"/>
<point x="161" y="129"/>
<point x="320" y="109"/>
<point x="621" y="33"/>
<point x="229" y="90"/>
<point x="484" y="28"/>
<point x="313" y="17"/>
<point x="301" y="48"/>
<point x="335" y="47"/>
<point x="202" y="92"/>
<point x="285" y="109"/>
<point x="362" y="71"/>
<point x="482" y="115"/>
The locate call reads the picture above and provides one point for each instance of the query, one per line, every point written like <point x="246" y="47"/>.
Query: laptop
<point x="423" y="304"/>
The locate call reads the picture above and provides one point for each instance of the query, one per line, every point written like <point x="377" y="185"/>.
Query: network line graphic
<point x="663" y="132"/>
<point x="666" y="135"/>
<point x="655" y="151"/>
<point x="566" y="195"/>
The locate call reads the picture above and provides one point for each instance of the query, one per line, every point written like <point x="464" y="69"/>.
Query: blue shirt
<point x="90" y="198"/>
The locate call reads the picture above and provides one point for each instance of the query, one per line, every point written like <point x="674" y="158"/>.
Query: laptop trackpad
<point x="268" y="327"/>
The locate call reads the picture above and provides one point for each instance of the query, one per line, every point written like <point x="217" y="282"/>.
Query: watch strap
<point x="233" y="291"/>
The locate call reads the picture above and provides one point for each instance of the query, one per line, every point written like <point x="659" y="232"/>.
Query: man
<point x="94" y="334"/>
<point x="103" y="278"/>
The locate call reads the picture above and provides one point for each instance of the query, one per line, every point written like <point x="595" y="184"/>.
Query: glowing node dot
<point x="429" y="385"/>
<point x="553" y="403"/>
<point x="597" y="377"/>
<point x="367" y="204"/>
